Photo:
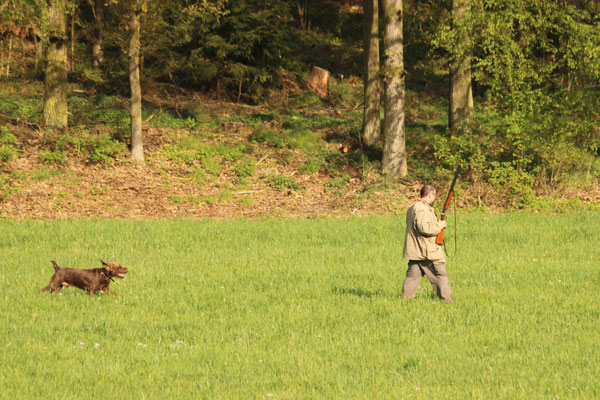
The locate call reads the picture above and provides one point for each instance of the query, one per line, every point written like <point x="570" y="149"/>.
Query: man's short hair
<point x="426" y="189"/>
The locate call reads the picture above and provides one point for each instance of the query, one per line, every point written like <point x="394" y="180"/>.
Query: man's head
<point x="428" y="194"/>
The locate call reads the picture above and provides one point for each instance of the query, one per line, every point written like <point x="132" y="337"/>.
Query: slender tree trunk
<point x="8" y="57"/>
<point x="394" y="148"/>
<point x="72" y="55"/>
<point x="302" y="14"/>
<point x="39" y="51"/>
<point x="137" y="148"/>
<point x="2" y="58"/>
<point x="372" y="84"/>
<point x="55" y="83"/>
<point x="461" y="92"/>
<point x="98" y="41"/>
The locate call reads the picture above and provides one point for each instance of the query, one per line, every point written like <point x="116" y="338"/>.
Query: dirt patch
<point x="162" y="189"/>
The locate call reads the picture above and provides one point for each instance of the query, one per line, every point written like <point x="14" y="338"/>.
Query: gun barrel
<point x="439" y="239"/>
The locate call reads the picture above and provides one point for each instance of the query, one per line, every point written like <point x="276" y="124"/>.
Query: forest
<point x="219" y="94"/>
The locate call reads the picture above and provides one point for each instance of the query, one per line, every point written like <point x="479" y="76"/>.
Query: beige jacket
<point x="421" y="229"/>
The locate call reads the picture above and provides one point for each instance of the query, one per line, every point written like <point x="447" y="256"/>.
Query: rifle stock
<point x="439" y="239"/>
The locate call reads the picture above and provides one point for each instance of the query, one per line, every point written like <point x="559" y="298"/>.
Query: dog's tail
<point x="55" y="265"/>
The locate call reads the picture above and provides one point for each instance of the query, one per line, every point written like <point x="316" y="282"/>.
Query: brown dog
<point x="91" y="280"/>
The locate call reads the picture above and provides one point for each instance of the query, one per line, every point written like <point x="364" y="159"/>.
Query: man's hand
<point x="442" y="224"/>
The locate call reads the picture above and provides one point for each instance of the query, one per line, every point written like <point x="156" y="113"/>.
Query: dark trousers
<point x="436" y="273"/>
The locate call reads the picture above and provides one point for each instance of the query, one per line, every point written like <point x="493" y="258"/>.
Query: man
<point x="424" y="255"/>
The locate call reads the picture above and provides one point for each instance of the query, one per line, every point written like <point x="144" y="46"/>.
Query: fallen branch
<point x="20" y="121"/>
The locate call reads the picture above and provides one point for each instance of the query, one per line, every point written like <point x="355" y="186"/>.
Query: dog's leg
<point x="45" y="289"/>
<point x="53" y="286"/>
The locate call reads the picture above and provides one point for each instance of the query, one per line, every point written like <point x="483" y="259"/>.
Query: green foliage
<point x="43" y="174"/>
<point x="301" y="139"/>
<point x="199" y="176"/>
<point x="595" y="168"/>
<point x="109" y="110"/>
<point x="531" y="60"/>
<point x="246" y="201"/>
<point x="338" y="182"/>
<point x="96" y="148"/>
<point x="27" y="108"/>
<point x="6" y="153"/>
<point x="246" y="168"/>
<point x="306" y="100"/>
<point x="53" y="157"/>
<point x="192" y="149"/>
<point x="211" y="165"/>
<point x="311" y="165"/>
<point x="514" y="184"/>
<point x="283" y="183"/>
<point x="549" y="140"/>
<point x="102" y="148"/>
<point x="299" y="121"/>
<point x="256" y="118"/>
<point x="225" y="195"/>
<point x="344" y="93"/>
<point x="272" y="138"/>
<point x="7" y="137"/>
<point x="240" y="44"/>
<point x="5" y="186"/>
<point x="549" y="204"/>
<point x="337" y="185"/>
<point x="8" y="143"/>
<point x="169" y="120"/>
<point x="174" y="153"/>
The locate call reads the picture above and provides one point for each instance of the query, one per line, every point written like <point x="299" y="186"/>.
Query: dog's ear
<point x="105" y="264"/>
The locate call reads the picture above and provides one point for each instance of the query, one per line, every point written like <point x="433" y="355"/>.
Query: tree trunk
<point x="2" y="58"/>
<point x="318" y="81"/>
<point x="137" y="148"/>
<point x="394" y="148"/>
<point x="8" y="56"/>
<point x="98" y="41"/>
<point x="55" y="84"/>
<point x="372" y="84"/>
<point x="72" y="55"/>
<point x="303" y="14"/>
<point x="461" y="92"/>
<point x="39" y="51"/>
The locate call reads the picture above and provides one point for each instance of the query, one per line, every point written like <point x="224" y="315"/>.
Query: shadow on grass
<point x="356" y="292"/>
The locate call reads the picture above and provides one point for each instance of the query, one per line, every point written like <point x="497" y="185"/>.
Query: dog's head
<point x="114" y="269"/>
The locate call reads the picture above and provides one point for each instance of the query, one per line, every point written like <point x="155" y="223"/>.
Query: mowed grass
<point x="289" y="309"/>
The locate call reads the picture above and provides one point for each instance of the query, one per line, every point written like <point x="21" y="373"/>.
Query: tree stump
<point x="318" y="81"/>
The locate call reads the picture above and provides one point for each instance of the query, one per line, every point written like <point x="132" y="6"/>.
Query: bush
<point x="199" y="176"/>
<point x="53" y="157"/>
<point x="8" y="141"/>
<point x="342" y="93"/>
<point x="211" y="165"/>
<point x="246" y="201"/>
<point x="104" y="149"/>
<point x="283" y="183"/>
<point x="301" y="139"/>
<point x="5" y="187"/>
<point x="94" y="148"/>
<point x="311" y="165"/>
<point x="46" y="173"/>
<point x="173" y="153"/>
<point x="7" y="152"/>
<point x="246" y="168"/>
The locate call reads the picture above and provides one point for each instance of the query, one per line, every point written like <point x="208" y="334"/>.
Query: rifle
<point x="439" y="239"/>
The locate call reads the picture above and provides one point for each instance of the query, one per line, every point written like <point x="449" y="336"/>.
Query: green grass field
<point x="289" y="309"/>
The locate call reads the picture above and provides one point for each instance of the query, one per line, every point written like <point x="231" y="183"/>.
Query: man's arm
<point x="427" y="224"/>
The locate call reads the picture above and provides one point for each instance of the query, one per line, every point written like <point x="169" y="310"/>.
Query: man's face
<point x="431" y="198"/>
